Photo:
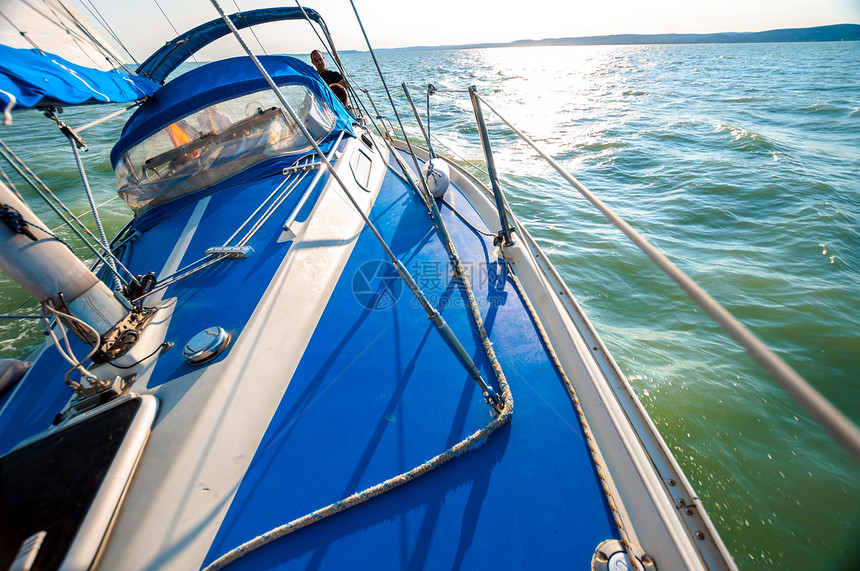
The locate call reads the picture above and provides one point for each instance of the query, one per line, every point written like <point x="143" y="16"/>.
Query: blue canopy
<point x="159" y="65"/>
<point x="221" y="81"/>
<point x="29" y="78"/>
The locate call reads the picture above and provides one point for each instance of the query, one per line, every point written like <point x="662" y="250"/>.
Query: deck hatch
<point x="69" y="483"/>
<point x="361" y="165"/>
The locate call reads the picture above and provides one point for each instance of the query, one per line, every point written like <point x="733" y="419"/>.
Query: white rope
<point x="82" y="214"/>
<point x="70" y="355"/>
<point x="504" y="416"/>
<point x="103" y="119"/>
<point x="828" y="416"/>
<point x="590" y="441"/>
<point x="369" y="493"/>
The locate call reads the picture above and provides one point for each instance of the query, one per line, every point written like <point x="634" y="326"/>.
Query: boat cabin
<point x="216" y="121"/>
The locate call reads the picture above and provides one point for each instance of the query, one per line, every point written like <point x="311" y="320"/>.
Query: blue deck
<point x="33" y="406"/>
<point x="378" y="392"/>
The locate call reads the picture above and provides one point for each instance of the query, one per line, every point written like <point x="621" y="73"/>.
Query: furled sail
<point x="49" y="55"/>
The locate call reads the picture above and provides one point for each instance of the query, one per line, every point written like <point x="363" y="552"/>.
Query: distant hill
<point x="834" y="33"/>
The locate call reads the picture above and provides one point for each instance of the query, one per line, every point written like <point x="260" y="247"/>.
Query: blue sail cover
<point x="29" y="78"/>
<point x="221" y="81"/>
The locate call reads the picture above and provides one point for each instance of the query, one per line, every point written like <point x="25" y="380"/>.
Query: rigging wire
<point x="42" y="189"/>
<point x="105" y="118"/>
<point x="112" y="57"/>
<point x="502" y="407"/>
<point x="446" y="145"/>
<point x="466" y="221"/>
<point x="435" y="317"/>
<point x="59" y="208"/>
<point x="107" y="27"/>
<point x="844" y="431"/>
<point x="175" y="31"/>
<point x="4" y="178"/>
<point x="426" y="193"/>
<point x="333" y="55"/>
<point x="251" y="29"/>
<point x="79" y="40"/>
<point x="23" y="34"/>
<point x="82" y="214"/>
<point x="463" y="159"/>
<point x="351" y="82"/>
<point x="89" y="192"/>
<point x="11" y="315"/>
<point x="163" y="13"/>
<point x="314" y="30"/>
<point x="271" y="202"/>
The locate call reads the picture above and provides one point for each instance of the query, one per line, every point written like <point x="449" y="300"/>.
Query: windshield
<point x="209" y="145"/>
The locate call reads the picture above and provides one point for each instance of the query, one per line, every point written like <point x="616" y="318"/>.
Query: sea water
<point x="740" y="162"/>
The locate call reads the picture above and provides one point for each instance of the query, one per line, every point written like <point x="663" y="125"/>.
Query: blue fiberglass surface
<point x="30" y="407"/>
<point x="378" y="392"/>
<point x="33" y="405"/>
<point x="227" y="292"/>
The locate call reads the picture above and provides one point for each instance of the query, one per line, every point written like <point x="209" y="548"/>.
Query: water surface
<point x="740" y="162"/>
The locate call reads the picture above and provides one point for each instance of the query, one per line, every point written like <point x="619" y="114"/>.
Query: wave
<point x="822" y="108"/>
<point x="747" y="140"/>
<point x="747" y="99"/>
<point x="602" y="146"/>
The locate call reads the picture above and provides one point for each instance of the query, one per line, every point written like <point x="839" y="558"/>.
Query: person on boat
<point x="340" y="92"/>
<point x="332" y="78"/>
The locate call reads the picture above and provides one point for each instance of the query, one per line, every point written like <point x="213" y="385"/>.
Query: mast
<point x="49" y="271"/>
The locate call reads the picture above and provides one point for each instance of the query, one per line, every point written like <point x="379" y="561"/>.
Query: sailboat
<point x="316" y="344"/>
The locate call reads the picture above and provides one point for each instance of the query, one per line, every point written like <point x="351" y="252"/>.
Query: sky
<point x="401" y="23"/>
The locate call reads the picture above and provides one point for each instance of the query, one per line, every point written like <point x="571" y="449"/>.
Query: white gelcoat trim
<point x="643" y="499"/>
<point x="28" y="552"/>
<point x="96" y="524"/>
<point x="143" y="356"/>
<point x="172" y="263"/>
<point x="184" y="486"/>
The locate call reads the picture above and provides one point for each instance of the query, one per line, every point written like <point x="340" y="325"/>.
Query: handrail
<point x="435" y="317"/>
<point x="823" y="411"/>
<point x="491" y="167"/>
<point x="418" y="120"/>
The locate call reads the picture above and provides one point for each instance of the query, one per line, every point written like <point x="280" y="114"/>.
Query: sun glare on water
<point x="558" y="95"/>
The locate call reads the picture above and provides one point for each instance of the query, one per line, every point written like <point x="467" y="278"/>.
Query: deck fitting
<point x="610" y="555"/>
